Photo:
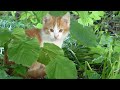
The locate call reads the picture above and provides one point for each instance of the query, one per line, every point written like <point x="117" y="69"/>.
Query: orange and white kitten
<point x="55" y="30"/>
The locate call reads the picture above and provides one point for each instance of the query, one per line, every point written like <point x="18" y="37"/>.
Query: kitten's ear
<point x="46" y="18"/>
<point x="66" y="18"/>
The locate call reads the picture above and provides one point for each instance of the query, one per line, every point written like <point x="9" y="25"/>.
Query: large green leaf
<point x="18" y="33"/>
<point x="5" y="36"/>
<point x="24" y="52"/>
<point x="84" y="35"/>
<point x="61" y="68"/>
<point x="49" y="52"/>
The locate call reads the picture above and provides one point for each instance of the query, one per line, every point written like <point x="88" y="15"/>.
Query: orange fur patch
<point x="34" y="33"/>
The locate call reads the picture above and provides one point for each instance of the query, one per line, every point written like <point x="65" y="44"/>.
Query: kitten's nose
<point x="56" y="36"/>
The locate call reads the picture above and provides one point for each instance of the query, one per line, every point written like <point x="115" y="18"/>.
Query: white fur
<point x="46" y="38"/>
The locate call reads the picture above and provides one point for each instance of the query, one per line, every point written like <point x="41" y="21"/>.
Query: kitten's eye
<point x="51" y="30"/>
<point x="60" y="30"/>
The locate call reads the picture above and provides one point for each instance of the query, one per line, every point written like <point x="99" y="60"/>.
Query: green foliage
<point x="92" y="74"/>
<point x="96" y="15"/>
<point x="92" y="50"/>
<point x="5" y="35"/>
<point x="87" y="17"/>
<point x="40" y="14"/>
<point x="18" y="33"/>
<point x="19" y="70"/>
<point x="49" y="52"/>
<point x="3" y="74"/>
<point x="85" y="35"/>
<point x="106" y="39"/>
<point x="61" y="68"/>
<point x="33" y="16"/>
<point x="24" y="52"/>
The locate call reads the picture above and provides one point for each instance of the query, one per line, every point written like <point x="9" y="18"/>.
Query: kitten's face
<point x="56" y="27"/>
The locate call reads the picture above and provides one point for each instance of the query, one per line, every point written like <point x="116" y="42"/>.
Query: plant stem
<point x="88" y="65"/>
<point x="104" y="67"/>
<point x="77" y="61"/>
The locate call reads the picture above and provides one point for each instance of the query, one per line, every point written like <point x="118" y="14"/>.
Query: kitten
<point x="55" y="30"/>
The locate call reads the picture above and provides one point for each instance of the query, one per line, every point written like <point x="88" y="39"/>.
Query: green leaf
<point x="57" y="13"/>
<point x="24" y="52"/>
<point x="116" y="77"/>
<point x="106" y="39"/>
<point x="98" y="59"/>
<point x="91" y="74"/>
<point x="39" y="25"/>
<point x="18" y="33"/>
<point x="117" y="46"/>
<point x="5" y="36"/>
<point x="87" y="18"/>
<point x="84" y="35"/>
<point x="20" y="70"/>
<point x="33" y="20"/>
<point x="96" y="15"/>
<point x="84" y="18"/>
<point x="49" y="52"/>
<point x="61" y="68"/>
<point x="100" y="50"/>
<point x="13" y="13"/>
<point x="39" y="15"/>
<point x="117" y="49"/>
<point x="23" y="16"/>
<point x="3" y="74"/>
